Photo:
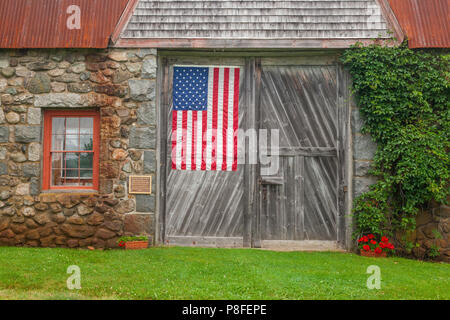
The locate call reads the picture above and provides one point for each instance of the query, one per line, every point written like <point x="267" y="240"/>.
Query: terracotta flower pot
<point x="134" y="245"/>
<point x="365" y="253"/>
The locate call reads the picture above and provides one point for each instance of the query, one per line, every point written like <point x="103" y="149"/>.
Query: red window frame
<point x="47" y="161"/>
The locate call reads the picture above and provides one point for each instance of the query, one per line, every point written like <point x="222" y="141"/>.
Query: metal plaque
<point x="140" y="185"/>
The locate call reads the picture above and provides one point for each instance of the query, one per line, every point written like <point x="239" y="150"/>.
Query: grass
<point x="195" y="273"/>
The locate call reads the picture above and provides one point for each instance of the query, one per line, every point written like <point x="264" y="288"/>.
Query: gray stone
<point x="5" y="194"/>
<point x="149" y="68"/>
<point x="56" y="72"/>
<point x="134" y="67"/>
<point x="79" y="87"/>
<point x="4" y="134"/>
<point x="42" y="66"/>
<point x="357" y="121"/>
<point x="119" y="56"/>
<point x="149" y="161"/>
<point x="125" y="206"/>
<point x="142" y="138"/>
<point x="8" y="72"/>
<point x="24" y="72"/>
<point x="34" y="116"/>
<point x="85" y="75"/>
<point x="3" y="152"/>
<point x="28" y="211"/>
<point x="142" y="53"/>
<point x="142" y="90"/>
<point x="3" y="84"/>
<point x="35" y="186"/>
<point x="68" y="77"/>
<point x="34" y="151"/>
<point x="3" y="168"/>
<point x="11" y="91"/>
<point x="12" y="117"/>
<point x="4" y="63"/>
<point x="59" y="100"/>
<point x="361" y="168"/>
<point x="26" y="134"/>
<point x="364" y="148"/>
<point x="126" y="167"/>
<point x="58" y="87"/>
<point x="120" y="76"/>
<point x="2" y="115"/>
<point x="147" y="113"/>
<point x="18" y="157"/>
<point x="362" y="184"/>
<point x="23" y="189"/>
<point x="31" y="169"/>
<point x="145" y="203"/>
<point x="78" y="67"/>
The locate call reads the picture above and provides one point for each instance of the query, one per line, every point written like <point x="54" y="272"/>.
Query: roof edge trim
<point x="197" y="43"/>
<point x="124" y="19"/>
<point x="391" y="19"/>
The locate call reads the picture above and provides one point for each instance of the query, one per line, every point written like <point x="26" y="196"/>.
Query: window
<point x="71" y="150"/>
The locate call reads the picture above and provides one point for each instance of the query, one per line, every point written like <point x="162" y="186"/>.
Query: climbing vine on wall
<point x="403" y="96"/>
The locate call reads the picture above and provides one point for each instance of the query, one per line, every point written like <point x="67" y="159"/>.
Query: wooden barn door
<point x="301" y="201"/>
<point x="202" y="208"/>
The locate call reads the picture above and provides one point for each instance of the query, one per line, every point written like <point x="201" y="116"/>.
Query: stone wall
<point x="118" y="83"/>
<point x="433" y="223"/>
<point x="432" y="233"/>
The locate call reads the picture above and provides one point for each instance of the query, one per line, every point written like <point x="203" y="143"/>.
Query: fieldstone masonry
<point x="118" y="83"/>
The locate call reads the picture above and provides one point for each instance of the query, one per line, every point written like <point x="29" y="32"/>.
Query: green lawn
<point x="195" y="273"/>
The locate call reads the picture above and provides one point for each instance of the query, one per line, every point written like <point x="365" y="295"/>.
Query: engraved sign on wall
<point x="140" y="185"/>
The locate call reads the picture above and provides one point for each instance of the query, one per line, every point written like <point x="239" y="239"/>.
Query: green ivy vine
<point x="403" y="96"/>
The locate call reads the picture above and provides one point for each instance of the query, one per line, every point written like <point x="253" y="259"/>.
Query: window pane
<point x="57" y="161"/>
<point x="58" y="125"/>
<point x="87" y="126"/>
<point x="58" y="143"/>
<point x="86" y="161"/>
<point x="72" y="143"/>
<point x="87" y="143"/>
<point x="72" y="126"/>
<point x="71" y="160"/>
<point x="57" y="178"/>
<point x="86" y="174"/>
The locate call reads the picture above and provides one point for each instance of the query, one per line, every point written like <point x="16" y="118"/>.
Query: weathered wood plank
<point x="257" y="19"/>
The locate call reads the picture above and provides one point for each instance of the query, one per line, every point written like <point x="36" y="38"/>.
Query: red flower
<point x="391" y="246"/>
<point x="373" y="242"/>
<point x="382" y="245"/>
<point x="366" y="247"/>
<point x="122" y="244"/>
<point x="371" y="236"/>
<point x="384" y="239"/>
<point x="365" y="239"/>
<point x="378" y="250"/>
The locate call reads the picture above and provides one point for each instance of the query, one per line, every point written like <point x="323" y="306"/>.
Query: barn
<point x="88" y="150"/>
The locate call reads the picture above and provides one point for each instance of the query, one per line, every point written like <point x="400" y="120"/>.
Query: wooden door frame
<point x="252" y="88"/>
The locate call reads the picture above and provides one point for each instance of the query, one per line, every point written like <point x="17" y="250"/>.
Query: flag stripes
<point x="206" y="139"/>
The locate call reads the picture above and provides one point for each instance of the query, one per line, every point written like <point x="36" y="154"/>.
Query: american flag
<point x="205" y="118"/>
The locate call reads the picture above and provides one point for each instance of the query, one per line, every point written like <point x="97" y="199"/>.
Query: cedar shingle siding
<point x="248" y="19"/>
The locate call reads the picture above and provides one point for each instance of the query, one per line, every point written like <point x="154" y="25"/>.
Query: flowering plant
<point x="122" y="240"/>
<point x="369" y="243"/>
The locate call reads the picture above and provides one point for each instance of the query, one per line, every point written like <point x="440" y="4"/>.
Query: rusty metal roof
<point x="425" y="22"/>
<point x="43" y="23"/>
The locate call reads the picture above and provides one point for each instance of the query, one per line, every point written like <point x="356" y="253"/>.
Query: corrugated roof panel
<point x="43" y="23"/>
<point x="425" y="22"/>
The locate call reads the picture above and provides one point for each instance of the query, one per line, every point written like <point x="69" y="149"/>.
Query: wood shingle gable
<point x="210" y="21"/>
